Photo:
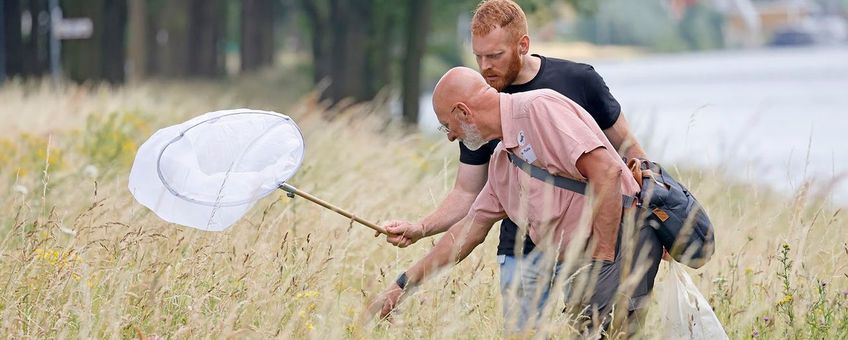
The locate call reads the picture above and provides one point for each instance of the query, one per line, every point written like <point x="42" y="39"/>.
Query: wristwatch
<point x="401" y="281"/>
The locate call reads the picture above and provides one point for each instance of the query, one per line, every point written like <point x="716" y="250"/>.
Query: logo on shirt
<point x="521" y="139"/>
<point x="527" y="154"/>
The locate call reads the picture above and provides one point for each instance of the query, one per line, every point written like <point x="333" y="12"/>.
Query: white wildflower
<point x="67" y="231"/>
<point x="20" y="189"/>
<point x="91" y="171"/>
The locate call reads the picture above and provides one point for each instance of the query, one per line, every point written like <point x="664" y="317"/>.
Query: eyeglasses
<point x="444" y="129"/>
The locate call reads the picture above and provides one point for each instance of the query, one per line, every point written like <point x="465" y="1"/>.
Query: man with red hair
<point x="501" y="45"/>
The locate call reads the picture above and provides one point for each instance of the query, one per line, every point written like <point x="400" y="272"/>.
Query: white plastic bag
<point x="685" y="312"/>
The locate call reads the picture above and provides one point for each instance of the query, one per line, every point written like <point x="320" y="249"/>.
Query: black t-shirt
<point x="577" y="81"/>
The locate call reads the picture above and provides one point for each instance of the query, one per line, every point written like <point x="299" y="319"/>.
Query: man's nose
<point x="485" y="64"/>
<point x="451" y="136"/>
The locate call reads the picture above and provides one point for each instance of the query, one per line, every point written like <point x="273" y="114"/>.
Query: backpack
<point x="680" y="222"/>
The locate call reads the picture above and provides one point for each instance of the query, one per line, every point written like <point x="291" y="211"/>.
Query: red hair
<point x="506" y="14"/>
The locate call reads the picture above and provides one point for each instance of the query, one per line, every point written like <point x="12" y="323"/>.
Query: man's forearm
<point x="452" y="209"/>
<point x="452" y="248"/>
<point x="623" y="140"/>
<point x="634" y="151"/>
<point x="607" y="202"/>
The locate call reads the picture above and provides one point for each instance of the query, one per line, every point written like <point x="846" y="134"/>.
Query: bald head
<point x="459" y="84"/>
<point x="467" y="107"/>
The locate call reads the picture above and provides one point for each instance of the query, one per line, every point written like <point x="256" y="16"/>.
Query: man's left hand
<point x="386" y="302"/>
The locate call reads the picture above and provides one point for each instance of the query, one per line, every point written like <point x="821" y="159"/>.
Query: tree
<point x="206" y="32"/>
<point x="12" y="33"/>
<point x="113" y="41"/>
<point x="315" y="13"/>
<point x="351" y="25"/>
<point x="35" y="44"/>
<point x="257" y="34"/>
<point x="137" y="36"/>
<point x="186" y="38"/>
<point x="102" y="56"/>
<point x="345" y="37"/>
<point x="167" y="35"/>
<point x="417" y="26"/>
<point x="2" y="47"/>
<point x="356" y="45"/>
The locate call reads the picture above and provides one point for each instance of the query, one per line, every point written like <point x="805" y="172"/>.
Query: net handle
<point x="295" y="191"/>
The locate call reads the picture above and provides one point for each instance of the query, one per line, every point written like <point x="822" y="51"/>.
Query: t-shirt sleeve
<point x="568" y="137"/>
<point x="599" y="101"/>
<point x="487" y="209"/>
<point x="477" y="157"/>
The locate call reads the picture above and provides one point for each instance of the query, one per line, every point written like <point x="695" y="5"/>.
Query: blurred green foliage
<point x="649" y="24"/>
<point x="112" y="139"/>
<point x="28" y="154"/>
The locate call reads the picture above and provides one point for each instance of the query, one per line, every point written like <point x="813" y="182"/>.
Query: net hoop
<point x="219" y="203"/>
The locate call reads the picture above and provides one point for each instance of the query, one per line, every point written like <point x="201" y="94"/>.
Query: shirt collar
<point x="510" y="137"/>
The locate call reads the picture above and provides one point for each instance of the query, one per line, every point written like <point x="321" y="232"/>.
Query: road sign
<point x="64" y="29"/>
<point x="74" y="28"/>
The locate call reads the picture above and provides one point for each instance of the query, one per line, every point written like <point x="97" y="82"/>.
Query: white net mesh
<point x="207" y="172"/>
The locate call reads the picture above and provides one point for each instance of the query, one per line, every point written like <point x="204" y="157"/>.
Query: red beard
<point x="503" y="80"/>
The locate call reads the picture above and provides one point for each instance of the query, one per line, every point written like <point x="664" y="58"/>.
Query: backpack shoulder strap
<point x="566" y="183"/>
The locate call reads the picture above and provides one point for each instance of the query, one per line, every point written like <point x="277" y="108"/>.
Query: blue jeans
<point x="526" y="284"/>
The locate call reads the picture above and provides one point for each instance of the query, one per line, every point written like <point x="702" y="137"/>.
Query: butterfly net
<point x="207" y="172"/>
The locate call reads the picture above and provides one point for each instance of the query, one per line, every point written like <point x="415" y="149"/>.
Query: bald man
<point x="548" y="130"/>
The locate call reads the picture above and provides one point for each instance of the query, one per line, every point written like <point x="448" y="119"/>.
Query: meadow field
<point x="79" y="258"/>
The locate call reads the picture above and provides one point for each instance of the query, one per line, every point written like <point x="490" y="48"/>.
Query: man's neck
<point x="494" y="130"/>
<point x="530" y="66"/>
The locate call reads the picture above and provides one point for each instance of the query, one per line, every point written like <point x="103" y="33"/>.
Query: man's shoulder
<point x="533" y="96"/>
<point x="564" y="63"/>
<point x="564" y="66"/>
<point x="542" y="103"/>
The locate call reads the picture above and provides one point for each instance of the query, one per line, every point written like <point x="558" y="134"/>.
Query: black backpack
<point x="681" y="223"/>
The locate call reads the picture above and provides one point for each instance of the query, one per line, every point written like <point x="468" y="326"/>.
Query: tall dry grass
<point x="81" y="259"/>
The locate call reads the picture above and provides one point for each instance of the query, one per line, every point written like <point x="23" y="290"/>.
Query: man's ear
<point x="463" y="112"/>
<point x="524" y="45"/>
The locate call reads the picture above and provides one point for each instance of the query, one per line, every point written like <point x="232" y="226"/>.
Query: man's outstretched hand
<point x="386" y="302"/>
<point x="403" y="233"/>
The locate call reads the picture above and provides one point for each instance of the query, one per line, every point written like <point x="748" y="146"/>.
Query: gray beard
<point x="473" y="138"/>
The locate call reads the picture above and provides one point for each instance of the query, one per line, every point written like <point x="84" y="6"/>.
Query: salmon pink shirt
<point x="550" y="131"/>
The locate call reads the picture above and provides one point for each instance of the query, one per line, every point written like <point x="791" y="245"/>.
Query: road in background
<point x="773" y="116"/>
